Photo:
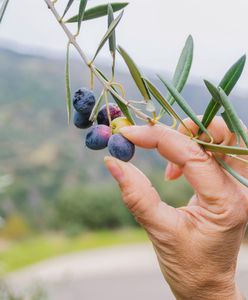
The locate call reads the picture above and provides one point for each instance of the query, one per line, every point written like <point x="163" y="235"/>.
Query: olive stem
<point x="72" y="40"/>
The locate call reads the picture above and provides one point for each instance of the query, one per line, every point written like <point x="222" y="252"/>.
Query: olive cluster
<point x="103" y="134"/>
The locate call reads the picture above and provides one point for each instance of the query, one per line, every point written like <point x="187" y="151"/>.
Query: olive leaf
<point x="222" y="149"/>
<point x="184" y="105"/>
<point x="163" y="102"/>
<point x="96" y="108"/>
<point x="81" y="11"/>
<point x="122" y="106"/>
<point x="136" y="74"/>
<point x="225" y="115"/>
<point x="98" y="11"/>
<point x="233" y="116"/>
<point x="240" y="178"/>
<point x="67" y="83"/>
<point x="183" y="68"/>
<point x="69" y="4"/>
<point x="112" y="37"/>
<point x="3" y="9"/>
<point x="227" y="84"/>
<point x="106" y="36"/>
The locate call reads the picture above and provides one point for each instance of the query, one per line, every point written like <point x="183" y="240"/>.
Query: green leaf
<point x="96" y="108"/>
<point x="183" y="67"/>
<point x="228" y="121"/>
<point x="222" y="149"/>
<point x="67" y="83"/>
<point x="161" y="100"/>
<point x="122" y="106"/>
<point x="106" y="36"/>
<point x="135" y="73"/>
<point x="227" y="84"/>
<point x="3" y="9"/>
<point x="112" y="38"/>
<point x="69" y="4"/>
<point x="226" y="115"/>
<point x="233" y="116"/>
<point x="98" y="11"/>
<point x="82" y="7"/>
<point x="240" y="178"/>
<point x="184" y="105"/>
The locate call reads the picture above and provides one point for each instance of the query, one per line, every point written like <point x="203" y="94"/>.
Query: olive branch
<point x="147" y="89"/>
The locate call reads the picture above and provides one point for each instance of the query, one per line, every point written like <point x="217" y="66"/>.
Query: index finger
<point x="200" y="169"/>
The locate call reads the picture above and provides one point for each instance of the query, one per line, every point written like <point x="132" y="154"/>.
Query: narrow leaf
<point x="233" y="116"/>
<point x="163" y="102"/>
<point x="183" y="67"/>
<point x="226" y="116"/>
<point x="240" y="178"/>
<point x="98" y="11"/>
<point x="227" y="84"/>
<point x="222" y="149"/>
<point x="96" y="108"/>
<point x="69" y="4"/>
<point x="82" y="7"/>
<point x="111" y="28"/>
<point x="112" y="38"/>
<point x="135" y="73"/>
<point x="184" y="105"/>
<point x="67" y="83"/>
<point x="122" y="106"/>
<point x="3" y="9"/>
<point x="228" y="121"/>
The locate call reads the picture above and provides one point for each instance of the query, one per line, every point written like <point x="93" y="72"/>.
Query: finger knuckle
<point x="196" y="153"/>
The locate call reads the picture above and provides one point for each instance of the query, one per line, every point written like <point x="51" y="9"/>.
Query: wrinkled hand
<point x="197" y="245"/>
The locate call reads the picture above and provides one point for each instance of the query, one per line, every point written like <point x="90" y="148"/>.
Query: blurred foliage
<point x="15" y="227"/>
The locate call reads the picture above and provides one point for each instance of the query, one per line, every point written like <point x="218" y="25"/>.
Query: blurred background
<point x="64" y="232"/>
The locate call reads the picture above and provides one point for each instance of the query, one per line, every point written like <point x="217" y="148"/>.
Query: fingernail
<point x="168" y="172"/>
<point x="114" y="167"/>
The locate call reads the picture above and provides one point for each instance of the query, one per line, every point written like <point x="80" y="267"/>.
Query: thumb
<point x="138" y="193"/>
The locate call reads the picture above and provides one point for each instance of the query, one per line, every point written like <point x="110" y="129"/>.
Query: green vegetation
<point x="20" y="254"/>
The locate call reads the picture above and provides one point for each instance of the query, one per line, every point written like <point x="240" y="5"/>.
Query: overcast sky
<point x="153" y="32"/>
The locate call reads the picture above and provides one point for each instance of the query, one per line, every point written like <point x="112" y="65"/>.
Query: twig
<point x="106" y="84"/>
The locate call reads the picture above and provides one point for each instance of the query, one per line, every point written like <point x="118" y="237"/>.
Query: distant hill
<point x="32" y="103"/>
<point x="45" y="156"/>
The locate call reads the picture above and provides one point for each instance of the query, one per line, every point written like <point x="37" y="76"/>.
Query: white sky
<point x="153" y="32"/>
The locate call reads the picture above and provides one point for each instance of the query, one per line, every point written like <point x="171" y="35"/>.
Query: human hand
<point x="197" y="246"/>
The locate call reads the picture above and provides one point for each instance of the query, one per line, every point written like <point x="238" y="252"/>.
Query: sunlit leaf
<point x="67" y="83"/>
<point x="240" y="178"/>
<point x="183" y="67"/>
<point x="3" y="9"/>
<point x="135" y="73"/>
<point x="98" y="11"/>
<point x="122" y="106"/>
<point x="227" y="84"/>
<point x="69" y="4"/>
<point x="184" y="105"/>
<point x="106" y="36"/>
<point x="163" y="102"/>
<point x="81" y="11"/>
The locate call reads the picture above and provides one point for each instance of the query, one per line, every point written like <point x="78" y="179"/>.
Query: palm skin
<point x="196" y="245"/>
